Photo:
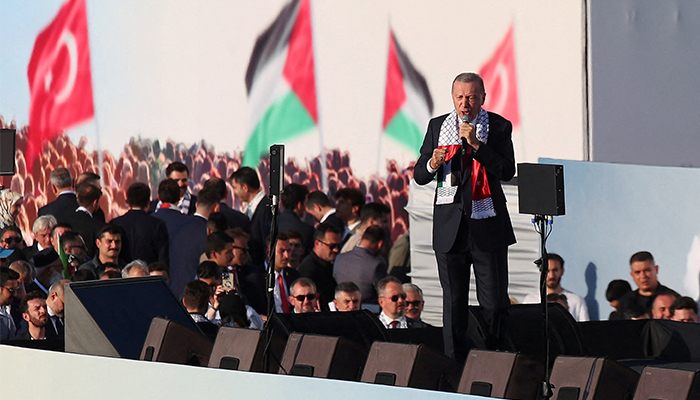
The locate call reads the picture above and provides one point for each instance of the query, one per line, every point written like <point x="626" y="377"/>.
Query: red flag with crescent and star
<point x="500" y="80"/>
<point x="60" y="83"/>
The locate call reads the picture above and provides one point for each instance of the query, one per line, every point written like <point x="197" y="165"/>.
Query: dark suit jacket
<point x="186" y="246"/>
<point x="498" y="158"/>
<point x="234" y="218"/>
<point x="321" y="272"/>
<point x="363" y="268"/>
<point x="251" y="279"/>
<point x="145" y="237"/>
<point x="86" y="226"/>
<point x="288" y="220"/>
<point x="64" y="204"/>
<point x="260" y="230"/>
<point x="337" y="222"/>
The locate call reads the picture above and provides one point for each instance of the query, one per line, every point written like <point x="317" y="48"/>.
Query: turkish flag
<point x="500" y="80"/>
<point x="60" y="83"/>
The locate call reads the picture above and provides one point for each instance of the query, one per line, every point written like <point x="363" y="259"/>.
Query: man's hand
<point x="468" y="131"/>
<point x="438" y="158"/>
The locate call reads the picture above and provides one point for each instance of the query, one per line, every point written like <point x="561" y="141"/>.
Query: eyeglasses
<point x="332" y="246"/>
<point x="309" y="297"/>
<point x="414" y="303"/>
<point x="244" y="249"/>
<point x="395" y="297"/>
<point x="10" y="290"/>
<point x="15" y="239"/>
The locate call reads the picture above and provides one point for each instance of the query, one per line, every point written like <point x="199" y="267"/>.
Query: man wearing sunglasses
<point x="303" y="296"/>
<point x="318" y="265"/>
<point x="392" y="301"/>
<point x="9" y="283"/>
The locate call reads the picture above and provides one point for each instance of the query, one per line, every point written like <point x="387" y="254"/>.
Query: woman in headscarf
<point x="10" y="204"/>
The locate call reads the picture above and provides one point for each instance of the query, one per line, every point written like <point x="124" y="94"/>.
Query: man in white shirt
<point x="577" y="306"/>
<point x="392" y="301"/>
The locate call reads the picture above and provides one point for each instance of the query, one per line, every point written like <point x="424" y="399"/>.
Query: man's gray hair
<point x="410" y="287"/>
<point x="43" y="223"/>
<point x="57" y="286"/>
<point x="134" y="264"/>
<point x="469" y="77"/>
<point x="61" y="178"/>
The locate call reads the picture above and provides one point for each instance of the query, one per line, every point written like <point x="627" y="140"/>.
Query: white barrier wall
<point x="36" y="374"/>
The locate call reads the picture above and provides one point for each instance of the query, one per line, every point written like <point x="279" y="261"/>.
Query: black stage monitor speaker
<point x="242" y="349"/>
<point x="583" y="378"/>
<point x="276" y="169"/>
<point x="410" y="365"/>
<point x="541" y="189"/>
<point x="323" y="357"/>
<point x="112" y="317"/>
<point x="167" y="341"/>
<point x="501" y="375"/>
<point x="361" y="326"/>
<point x="7" y="152"/>
<point x="668" y="384"/>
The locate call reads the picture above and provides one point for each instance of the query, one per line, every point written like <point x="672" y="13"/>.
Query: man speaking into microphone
<point x="469" y="151"/>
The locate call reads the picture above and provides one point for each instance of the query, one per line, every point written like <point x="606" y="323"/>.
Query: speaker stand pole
<point x="541" y="222"/>
<point x="271" y="310"/>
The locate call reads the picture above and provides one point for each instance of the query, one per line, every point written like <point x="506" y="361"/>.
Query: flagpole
<point x="386" y="81"/>
<point x="322" y="150"/>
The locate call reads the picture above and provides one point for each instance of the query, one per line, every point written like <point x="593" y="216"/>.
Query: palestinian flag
<point x="407" y="102"/>
<point x="281" y="82"/>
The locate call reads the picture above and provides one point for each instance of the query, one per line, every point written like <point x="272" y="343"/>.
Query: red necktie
<point x="283" y="294"/>
<point x="394" y="324"/>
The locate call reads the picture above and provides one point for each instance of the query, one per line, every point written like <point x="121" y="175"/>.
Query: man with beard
<point x="34" y="311"/>
<point x="577" y="306"/>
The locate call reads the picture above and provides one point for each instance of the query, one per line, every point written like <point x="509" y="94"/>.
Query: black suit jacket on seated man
<point x="459" y="240"/>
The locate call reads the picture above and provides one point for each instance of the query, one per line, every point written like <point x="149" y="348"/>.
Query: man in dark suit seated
<point x="392" y="301"/>
<point x="81" y="220"/>
<point x="145" y="236"/>
<point x="303" y="296"/>
<point x="186" y="202"/>
<point x="293" y="198"/>
<point x="66" y="200"/>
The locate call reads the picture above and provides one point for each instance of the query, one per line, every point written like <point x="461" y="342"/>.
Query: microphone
<point x="465" y="145"/>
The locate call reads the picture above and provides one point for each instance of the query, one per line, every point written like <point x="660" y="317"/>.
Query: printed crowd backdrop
<point x="124" y="88"/>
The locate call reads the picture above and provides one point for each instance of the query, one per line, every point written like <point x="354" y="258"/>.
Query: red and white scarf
<point x="482" y="204"/>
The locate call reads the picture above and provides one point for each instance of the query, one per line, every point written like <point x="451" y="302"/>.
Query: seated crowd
<point x="213" y="257"/>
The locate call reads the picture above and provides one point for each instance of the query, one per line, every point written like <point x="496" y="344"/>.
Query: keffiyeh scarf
<point x="450" y="174"/>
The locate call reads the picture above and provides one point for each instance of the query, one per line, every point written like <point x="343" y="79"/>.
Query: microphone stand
<point x="271" y="310"/>
<point x="541" y="222"/>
